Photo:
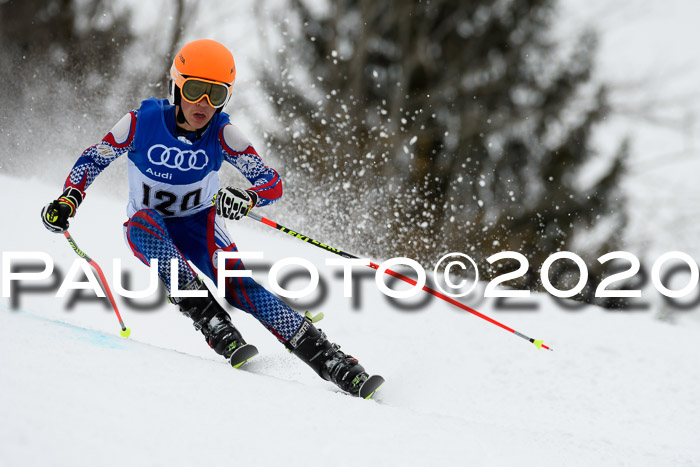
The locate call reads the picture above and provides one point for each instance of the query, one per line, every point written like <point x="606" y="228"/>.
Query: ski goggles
<point x="194" y="90"/>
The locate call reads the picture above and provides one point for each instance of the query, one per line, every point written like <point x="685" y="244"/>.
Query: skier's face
<point x="197" y="115"/>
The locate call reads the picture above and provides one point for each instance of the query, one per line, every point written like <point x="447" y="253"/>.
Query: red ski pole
<point x="125" y="331"/>
<point x="451" y="301"/>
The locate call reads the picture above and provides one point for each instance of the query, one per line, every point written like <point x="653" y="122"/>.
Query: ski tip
<point x="371" y="386"/>
<point x="243" y="355"/>
<point x="369" y="396"/>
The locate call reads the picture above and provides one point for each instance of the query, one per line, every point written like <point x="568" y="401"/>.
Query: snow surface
<point x="618" y="389"/>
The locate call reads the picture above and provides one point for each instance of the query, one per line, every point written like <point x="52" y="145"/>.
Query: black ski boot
<point x="215" y="324"/>
<point x="330" y="363"/>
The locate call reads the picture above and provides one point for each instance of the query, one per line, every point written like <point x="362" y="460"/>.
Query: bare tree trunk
<point x="178" y="30"/>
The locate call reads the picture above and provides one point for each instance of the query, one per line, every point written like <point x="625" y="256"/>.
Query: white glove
<point x="234" y="203"/>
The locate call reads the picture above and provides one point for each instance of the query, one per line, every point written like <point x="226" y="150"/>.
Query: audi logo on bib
<point x="174" y="158"/>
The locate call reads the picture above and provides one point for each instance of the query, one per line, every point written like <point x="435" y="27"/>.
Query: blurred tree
<point x="83" y="42"/>
<point x="62" y="40"/>
<point x="443" y="125"/>
<point x="61" y="59"/>
<point x="75" y="66"/>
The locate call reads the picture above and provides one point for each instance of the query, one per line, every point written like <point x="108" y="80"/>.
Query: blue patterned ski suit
<point x="172" y="181"/>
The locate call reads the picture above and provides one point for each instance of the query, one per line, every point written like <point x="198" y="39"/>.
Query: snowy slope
<point x="619" y="388"/>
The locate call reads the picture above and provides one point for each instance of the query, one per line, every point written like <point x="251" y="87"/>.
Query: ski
<point x="370" y="386"/>
<point x="242" y="355"/>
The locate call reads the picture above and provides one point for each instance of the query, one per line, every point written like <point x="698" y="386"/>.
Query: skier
<point x="175" y="150"/>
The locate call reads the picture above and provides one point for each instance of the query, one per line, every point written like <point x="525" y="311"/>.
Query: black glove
<point x="55" y="214"/>
<point x="234" y="203"/>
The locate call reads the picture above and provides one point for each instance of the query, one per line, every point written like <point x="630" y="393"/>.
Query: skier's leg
<point x="149" y="237"/>
<point x="313" y="347"/>
<point x="246" y="294"/>
<point x="297" y="333"/>
<point x="215" y="323"/>
<point x="241" y="292"/>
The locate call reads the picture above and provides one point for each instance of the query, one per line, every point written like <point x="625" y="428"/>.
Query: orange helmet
<point x="203" y="58"/>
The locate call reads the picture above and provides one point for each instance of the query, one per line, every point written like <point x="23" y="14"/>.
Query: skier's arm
<point x="89" y="165"/>
<point x="97" y="157"/>
<point x="239" y="152"/>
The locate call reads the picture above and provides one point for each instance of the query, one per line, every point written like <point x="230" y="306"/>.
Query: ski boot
<point x="330" y="363"/>
<point x="215" y="324"/>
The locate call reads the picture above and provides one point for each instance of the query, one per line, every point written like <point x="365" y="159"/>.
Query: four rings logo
<point x="174" y="158"/>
